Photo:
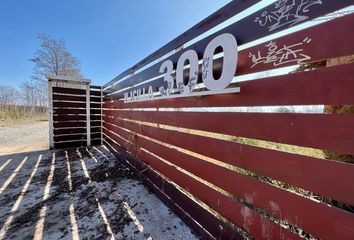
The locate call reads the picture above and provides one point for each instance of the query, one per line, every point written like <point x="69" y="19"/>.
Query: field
<point x="13" y="114"/>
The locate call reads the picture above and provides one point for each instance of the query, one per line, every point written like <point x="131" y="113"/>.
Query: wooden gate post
<point x="50" y="113"/>
<point x="88" y="120"/>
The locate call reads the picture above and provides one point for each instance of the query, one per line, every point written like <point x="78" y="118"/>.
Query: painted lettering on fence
<point x="286" y="13"/>
<point x="185" y="88"/>
<point x="281" y="55"/>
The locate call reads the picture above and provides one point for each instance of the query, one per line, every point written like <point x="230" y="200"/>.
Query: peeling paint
<point x="275" y="209"/>
<point x="247" y="217"/>
<point x="267" y="228"/>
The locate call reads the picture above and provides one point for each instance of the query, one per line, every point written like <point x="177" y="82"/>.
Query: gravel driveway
<point x="24" y="137"/>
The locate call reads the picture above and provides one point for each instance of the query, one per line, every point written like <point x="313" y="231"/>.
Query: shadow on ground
<point x="79" y="193"/>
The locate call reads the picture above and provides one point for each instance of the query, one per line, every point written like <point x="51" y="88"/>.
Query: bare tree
<point x="32" y="97"/>
<point x="52" y="58"/>
<point x="30" y="94"/>
<point x="8" y="95"/>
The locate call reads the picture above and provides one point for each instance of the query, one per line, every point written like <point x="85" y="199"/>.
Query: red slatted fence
<point x="229" y="164"/>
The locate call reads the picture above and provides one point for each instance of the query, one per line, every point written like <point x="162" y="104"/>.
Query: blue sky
<point x="107" y="36"/>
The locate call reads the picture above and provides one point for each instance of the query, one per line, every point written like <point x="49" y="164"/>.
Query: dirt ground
<point x="79" y="193"/>
<point x="23" y="136"/>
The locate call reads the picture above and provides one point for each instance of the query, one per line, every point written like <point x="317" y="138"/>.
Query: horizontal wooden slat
<point x="323" y="38"/>
<point x="95" y="87"/>
<point x="69" y="91"/>
<point x="69" y="104"/>
<point x="224" y="205"/>
<point x="95" y="117"/>
<point x="62" y="138"/>
<point x="94" y="142"/>
<point x="69" y="98"/>
<point x="329" y="86"/>
<point x="95" y="105"/>
<point x="334" y="132"/>
<point x="293" y="169"/>
<point x="70" y="144"/>
<point x="69" y="117"/>
<point x="95" y="93"/>
<point x="316" y="42"/>
<point x="69" y="131"/>
<point x="95" y="111"/>
<point x="95" y="99"/>
<point x="325" y="222"/>
<point x="95" y="129"/>
<point x="69" y="124"/>
<point x="95" y="123"/>
<point x="248" y="29"/>
<point x="75" y="111"/>
<point x="71" y="111"/>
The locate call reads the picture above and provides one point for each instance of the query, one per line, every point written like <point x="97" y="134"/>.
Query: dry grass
<point x="13" y="114"/>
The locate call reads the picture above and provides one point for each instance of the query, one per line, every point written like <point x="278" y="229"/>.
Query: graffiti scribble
<point x="205" y="72"/>
<point x="286" y="12"/>
<point x="281" y="55"/>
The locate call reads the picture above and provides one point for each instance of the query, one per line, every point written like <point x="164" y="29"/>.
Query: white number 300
<point x="229" y="45"/>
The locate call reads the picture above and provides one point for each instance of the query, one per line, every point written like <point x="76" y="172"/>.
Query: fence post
<point x="101" y="115"/>
<point x="88" y="119"/>
<point x="50" y="112"/>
